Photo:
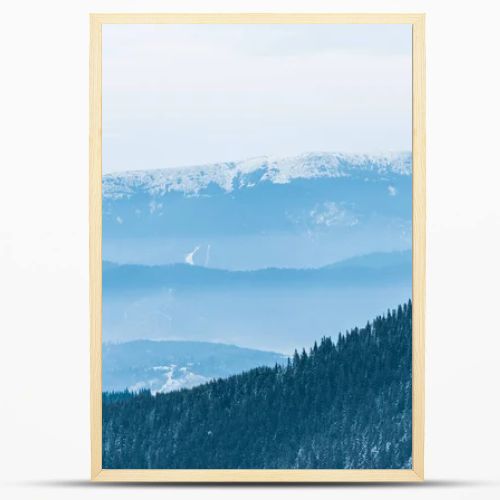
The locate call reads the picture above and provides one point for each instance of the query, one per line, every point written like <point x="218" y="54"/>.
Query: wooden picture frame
<point x="418" y="237"/>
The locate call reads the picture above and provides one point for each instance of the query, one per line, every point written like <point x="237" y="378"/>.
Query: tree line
<point x="345" y="404"/>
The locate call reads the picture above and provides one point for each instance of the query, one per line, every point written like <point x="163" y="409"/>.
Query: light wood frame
<point x="262" y="475"/>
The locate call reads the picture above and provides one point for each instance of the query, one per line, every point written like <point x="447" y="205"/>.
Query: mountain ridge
<point x="364" y="259"/>
<point x="163" y="365"/>
<point x="376" y="268"/>
<point x="228" y="176"/>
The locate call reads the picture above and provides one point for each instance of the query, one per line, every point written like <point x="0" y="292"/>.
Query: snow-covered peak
<point x="246" y="173"/>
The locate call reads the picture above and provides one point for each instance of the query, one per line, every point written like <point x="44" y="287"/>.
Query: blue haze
<point x="269" y="256"/>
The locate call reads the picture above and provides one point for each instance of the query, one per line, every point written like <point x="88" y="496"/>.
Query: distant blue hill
<point x="368" y="270"/>
<point x="270" y="309"/>
<point x="164" y="366"/>
<point x="375" y="260"/>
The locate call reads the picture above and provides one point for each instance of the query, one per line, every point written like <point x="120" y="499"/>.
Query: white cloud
<point x="119" y="220"/>
<point x="243" y="91"/>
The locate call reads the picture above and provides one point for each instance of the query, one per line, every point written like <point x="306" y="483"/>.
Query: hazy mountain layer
<point x="164" y="366"/>
<point x="271" y="309"/>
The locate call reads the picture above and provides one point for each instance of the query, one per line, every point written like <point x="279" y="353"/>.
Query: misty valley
<point x="256" y="314"/>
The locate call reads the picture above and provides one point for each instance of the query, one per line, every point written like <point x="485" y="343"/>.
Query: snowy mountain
<point x="305" y="211"/>
<point x="230" y="176"/>
<point x="165" y="366"/>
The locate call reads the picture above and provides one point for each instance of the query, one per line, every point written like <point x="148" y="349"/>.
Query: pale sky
<point x="178" y="95"/>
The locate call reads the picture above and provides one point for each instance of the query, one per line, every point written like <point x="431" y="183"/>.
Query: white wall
<point x="44" y="450"/>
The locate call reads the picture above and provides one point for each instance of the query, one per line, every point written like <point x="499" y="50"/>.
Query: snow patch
<point x="172" y="379"/>
<point x="154" y="206"/>
<point x="332" y="214"/>
<point x="190" y="256"/>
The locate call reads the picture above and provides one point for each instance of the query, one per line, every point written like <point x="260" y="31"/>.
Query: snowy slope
<point x="234" y="175"/>
<point x="165" y="366"/>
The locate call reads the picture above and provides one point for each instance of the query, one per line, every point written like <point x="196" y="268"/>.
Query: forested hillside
<point x="343" y="405"/>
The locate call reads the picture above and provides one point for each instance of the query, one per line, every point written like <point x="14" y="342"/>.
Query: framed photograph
<point x="257" y="247"/>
